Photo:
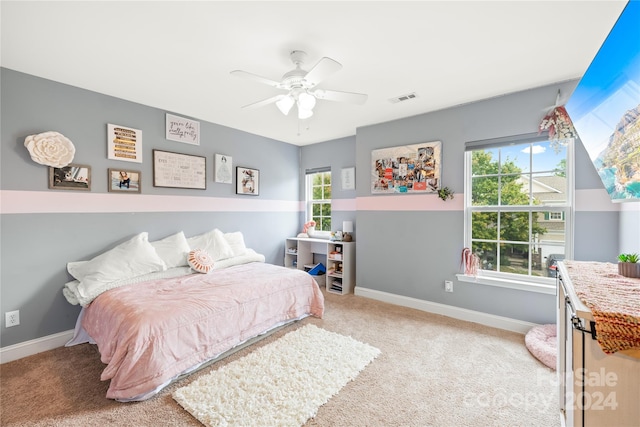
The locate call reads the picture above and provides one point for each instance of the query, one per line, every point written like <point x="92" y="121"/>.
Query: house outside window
<point x="318" y="196"/>
<point x="518" y="207"/>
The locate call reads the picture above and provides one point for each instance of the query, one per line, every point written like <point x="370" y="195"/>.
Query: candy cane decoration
<point x="470" y="261"/>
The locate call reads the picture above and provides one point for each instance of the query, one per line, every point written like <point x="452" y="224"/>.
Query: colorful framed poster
<point x="182" y="130"/>
<point x="70" y="177"/>
<point x="177" y="170"/>
<point x="223" y="169"/>
<point x="124" y="143"/>
<point x="247" y="181"/>
<point x="124" y="181"/>
<point x="405" y="169"/>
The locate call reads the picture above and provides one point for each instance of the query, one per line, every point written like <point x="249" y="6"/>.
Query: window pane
<point x="487" y="254"/>
<point x="514" y="258"/>
<point x="549" y="235"/>
<point x="549" y="190"/>
<point x="514" y="190"/>
<point x="515" y="164"/>
<point x="326" y="209"/>
<point x="514" y="226"/>
<point x="484" y="191"/>
<point x="327" y="192"/>
<point x="317" y="193"/>
<point x="485" y="162"/>
<point x="515" y="158"/>
<point x="316" y="210"/>
<point x="549" y="157"/>
<point x="326" y="177"/>
<point x="484" y="225"/>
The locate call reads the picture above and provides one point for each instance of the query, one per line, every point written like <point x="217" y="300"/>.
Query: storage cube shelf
<point x="338" y="258"/>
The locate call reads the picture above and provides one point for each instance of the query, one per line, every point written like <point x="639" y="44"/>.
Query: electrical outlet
<point x="12" y="318"/>
<point x="448" y="285"/>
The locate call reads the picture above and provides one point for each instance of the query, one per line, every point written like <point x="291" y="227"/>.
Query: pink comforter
<point x="149" y="332"/>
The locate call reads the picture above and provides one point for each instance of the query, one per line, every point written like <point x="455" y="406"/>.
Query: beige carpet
<point x="433" y="371"/>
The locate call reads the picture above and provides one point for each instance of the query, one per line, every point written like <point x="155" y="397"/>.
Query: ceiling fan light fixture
<point x="285" y="104"/>
<point x="306" y="101"/>
<point x="303" y="113"/>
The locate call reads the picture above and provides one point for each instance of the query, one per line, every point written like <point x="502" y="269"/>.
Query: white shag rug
<point x="281" y="384"/>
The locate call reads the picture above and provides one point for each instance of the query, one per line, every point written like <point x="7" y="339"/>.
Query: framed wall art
<point x="70" y="177"/>
<point x="123" y="180"/>
<point x="412" y="168"/>
<point x="247" y="181"/>
<point x="177" y="170"/>
<point x="182" y="130"/>
<point x="223" y="169"/>
<point x="124" y="143"/>
<point x="348" y="178"/>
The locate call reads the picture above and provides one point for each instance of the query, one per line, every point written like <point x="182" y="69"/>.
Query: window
<point x="557" y="216"/>
<point x="518" y="204"/>
<point x="318" y="195"/>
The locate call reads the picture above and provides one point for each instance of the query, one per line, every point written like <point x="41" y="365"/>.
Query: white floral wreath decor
<point x="50" y="149"/>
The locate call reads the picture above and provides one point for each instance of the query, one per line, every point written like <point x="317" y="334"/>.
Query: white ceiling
<point x="177" y="56"/>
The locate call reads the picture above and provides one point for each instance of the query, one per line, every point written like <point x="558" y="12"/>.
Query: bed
<point x="155" y="319"/>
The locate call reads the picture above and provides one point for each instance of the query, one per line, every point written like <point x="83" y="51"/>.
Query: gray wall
<point x="413" y="253"/>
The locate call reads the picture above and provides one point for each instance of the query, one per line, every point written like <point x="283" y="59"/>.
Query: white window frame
<point x="545" y="285"/>
<point x="309" y="194"/>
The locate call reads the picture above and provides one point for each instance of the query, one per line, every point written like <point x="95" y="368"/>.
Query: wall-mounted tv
<point x="605" y="108"/>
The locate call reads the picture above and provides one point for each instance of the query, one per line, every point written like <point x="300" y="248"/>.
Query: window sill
<point x="521" y="285"/>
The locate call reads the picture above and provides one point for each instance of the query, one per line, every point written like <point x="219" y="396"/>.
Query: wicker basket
<point x="629" y="269"/>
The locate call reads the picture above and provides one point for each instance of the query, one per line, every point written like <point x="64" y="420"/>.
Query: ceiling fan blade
<point x="264" y="102"/>
<point x="255" y="77"/>
<point x="323" y="69"/>
<point x="334" y="95"/>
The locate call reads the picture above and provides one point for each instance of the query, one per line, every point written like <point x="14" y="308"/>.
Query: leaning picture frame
<point x="247" y="181"/>
<point x="124" y="181"/>
<point x="70" y="177"/>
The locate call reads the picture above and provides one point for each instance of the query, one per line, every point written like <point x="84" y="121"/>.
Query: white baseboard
<point x="486" y="319"/>
<point x="38" y="345"/>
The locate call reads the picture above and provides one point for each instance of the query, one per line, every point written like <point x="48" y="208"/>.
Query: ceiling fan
<point x="300" y="86"/>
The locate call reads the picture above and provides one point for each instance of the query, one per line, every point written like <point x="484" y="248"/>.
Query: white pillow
<point x="236" y="241"/>
<point x="212" y="242"/>
<point x="132" y="258"/>
<point x="200" y="261"/>
<point x="173" y="250"/>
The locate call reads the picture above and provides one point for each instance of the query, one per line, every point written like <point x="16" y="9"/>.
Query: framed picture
<point x="348" y="178"/>
<point x="223" y="169"/>
<point x="70" y="177"/>
<point x="407" y="168"/>
<point x="125" y="181"/>
<point x="247" y="181"/>
<point x="124" y="143"/>
<point x="182" y="130"/>
<point x="177" y="170"/>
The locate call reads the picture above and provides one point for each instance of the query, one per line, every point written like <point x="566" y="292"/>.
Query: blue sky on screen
<point x="611" y="84"/>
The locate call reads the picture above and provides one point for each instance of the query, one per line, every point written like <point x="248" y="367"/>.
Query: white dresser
<point x="596" y="389"/>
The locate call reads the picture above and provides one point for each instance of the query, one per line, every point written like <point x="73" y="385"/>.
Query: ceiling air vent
<point x="401" y="98"/>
